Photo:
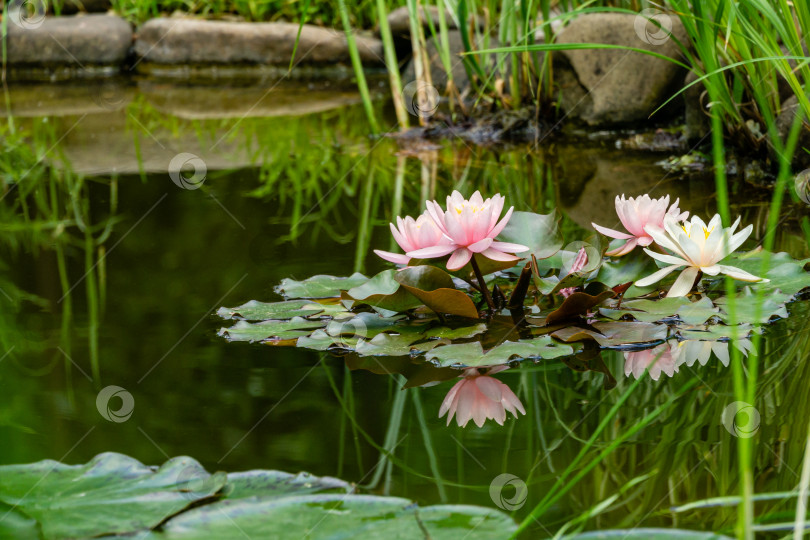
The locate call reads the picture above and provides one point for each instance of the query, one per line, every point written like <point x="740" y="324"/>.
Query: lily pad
<point x="786" y="274"/>
<point x="650" y="534"/>
<point x="435" y="289"/>
<point x="697" y="312"/>
<point x="267" y="330"/>
<point x="576" y="305"/>
<point x="473" y="355"/>
<point x="614" y="334"/>
<point x="745" y="306"/>
<point x="334" y="516"/>
<point x="111" y="494"/>
<point x="540" y="232"/>
<point x="320" y="286"/>
<point x="116" y="495"/>
<point x="262" y="311"/>
<point x="382" y="291"/>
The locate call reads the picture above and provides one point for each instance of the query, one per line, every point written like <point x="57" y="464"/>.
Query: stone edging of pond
<point x="89" y="45"/>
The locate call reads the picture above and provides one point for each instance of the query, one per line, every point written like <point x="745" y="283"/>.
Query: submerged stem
<point x="482" y="285"/>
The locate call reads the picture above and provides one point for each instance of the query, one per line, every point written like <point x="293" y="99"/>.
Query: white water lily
<point x="697" y="246"/>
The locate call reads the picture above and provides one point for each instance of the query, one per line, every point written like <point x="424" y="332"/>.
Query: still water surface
<point x="111" y="274"/>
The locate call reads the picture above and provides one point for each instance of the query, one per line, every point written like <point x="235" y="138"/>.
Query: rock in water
<point x="191" y="41"/>
<point x="606" y="87"/>
<point x="78" y="41"/>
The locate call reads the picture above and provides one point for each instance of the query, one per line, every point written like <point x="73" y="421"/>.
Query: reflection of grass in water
<point x="319" y="188"/>
<point x="47" y="208"/>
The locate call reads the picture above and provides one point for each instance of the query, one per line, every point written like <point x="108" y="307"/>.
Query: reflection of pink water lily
<point x="698" y="247"/>
<point x="478" y="396"/>
<point x="635" y="214"/>
<point x="471" y="226"/>
<point x="658" y="359"/>
<point x="413" y="234"/>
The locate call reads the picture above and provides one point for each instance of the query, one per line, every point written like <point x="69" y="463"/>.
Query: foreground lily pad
<point x="116" y="495"/>
<point x="319" y="286"/>
<point x="111" y="494"/>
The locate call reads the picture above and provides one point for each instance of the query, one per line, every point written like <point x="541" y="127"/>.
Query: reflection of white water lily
<point x="699" y="247"/>
<point x="686" y="352"/>
<point x="478" y="396"/>
<point x="656" y="360"/>
<point x="668" y="357"/>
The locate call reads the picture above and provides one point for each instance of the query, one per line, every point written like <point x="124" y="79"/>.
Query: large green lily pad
<point x="115" y="495"/>
<point x="111" y="494"/>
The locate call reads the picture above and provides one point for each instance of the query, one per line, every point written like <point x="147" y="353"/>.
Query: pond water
<point x="111" y="274"/>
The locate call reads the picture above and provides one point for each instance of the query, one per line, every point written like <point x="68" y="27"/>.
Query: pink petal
<point x="480" y="246"/>
<point x="623" y="250"/>
<point x="499" y="227"/>
<point x="432" y="252"/>
<point x="449" y="398"/>
<point x="459" y="258"/>
<point x="400" y="237"/>
<point x="497" y="255"/>
<point x="509" y="247"/>
<point x="611" y="233"/>
<point x="396" y="258"/>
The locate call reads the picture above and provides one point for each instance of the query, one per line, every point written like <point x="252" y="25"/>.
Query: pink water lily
<point x="657" y="360"/>
<point x="413" y="234"/>
<point x="471" y="227"/>
<point x="477" y="396"/>
<point x="635" y="215"/>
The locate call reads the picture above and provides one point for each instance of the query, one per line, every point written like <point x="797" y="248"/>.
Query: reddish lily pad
<point x="435" y="289"/>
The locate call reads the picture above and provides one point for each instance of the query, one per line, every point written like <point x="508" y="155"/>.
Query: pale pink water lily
<point x="657" y="360"/>
<point x="635" y="214"/>
<point x="413" y="234"/>
<point x="699" y="247"/>
<point x="477" y="396"/>
<point x="471" y="226"/>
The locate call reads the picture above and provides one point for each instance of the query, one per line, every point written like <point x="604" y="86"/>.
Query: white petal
<point x="684" y="283"/>
<point x="737" y="273"/>
<point x="657" y="276"/>
<point x="669" y="259"/>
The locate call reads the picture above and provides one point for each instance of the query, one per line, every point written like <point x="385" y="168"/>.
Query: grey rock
<point x="696" y="117"/>
<point x="399" y="20"/>
<point x="801" y="158"/>
<point x="192" y="41"/>
<point x="612" y="87"/>
<point x="76" y="40"/>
